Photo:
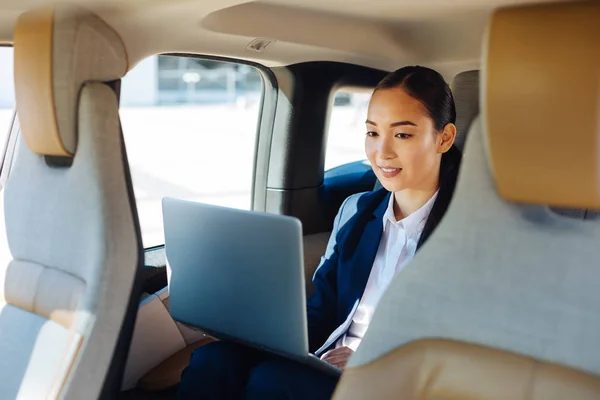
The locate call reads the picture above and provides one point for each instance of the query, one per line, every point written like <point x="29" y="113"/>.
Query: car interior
<point x="112" y="105"/>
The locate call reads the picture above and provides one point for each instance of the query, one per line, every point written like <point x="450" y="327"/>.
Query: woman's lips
<point x="390" y="172"/>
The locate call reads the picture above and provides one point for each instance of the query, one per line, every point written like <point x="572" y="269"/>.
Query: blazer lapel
<point x="360" y="239"/>
<point x="363" y="255"/>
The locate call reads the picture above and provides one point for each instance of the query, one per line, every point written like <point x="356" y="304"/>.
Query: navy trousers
<point x="229" y="371"/>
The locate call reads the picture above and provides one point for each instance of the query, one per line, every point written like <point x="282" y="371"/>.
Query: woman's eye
<point x="404" y="135"/>
<point x="371" y="133"/>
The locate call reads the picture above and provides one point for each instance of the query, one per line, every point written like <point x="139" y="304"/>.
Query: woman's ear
<point x="447" y="137"/>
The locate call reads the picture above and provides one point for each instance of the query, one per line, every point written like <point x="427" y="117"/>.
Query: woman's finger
<point x="342" y="354"/>
<point x="340" y="365"/>
<point x="339" y="352"/>
<point x="332" y="360"/>
<point x="327" y="354"/>
<point x="340" y="359"/>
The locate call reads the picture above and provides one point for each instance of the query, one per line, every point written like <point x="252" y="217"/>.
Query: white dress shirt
<point x="397" y="247"/>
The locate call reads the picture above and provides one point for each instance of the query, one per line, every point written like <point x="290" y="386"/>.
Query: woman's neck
<point x="408" y="201"/>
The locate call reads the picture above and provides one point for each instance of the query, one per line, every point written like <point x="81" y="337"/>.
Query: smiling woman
<point x="410" y="128"/>
<point x="423" y="141"/>
<point x="409" y="144"/>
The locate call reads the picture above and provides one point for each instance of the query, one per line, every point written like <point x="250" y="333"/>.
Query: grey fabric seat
<point x="503" y="300"/>
<point x="465" y="89"/>
<point x="71" y="222"/>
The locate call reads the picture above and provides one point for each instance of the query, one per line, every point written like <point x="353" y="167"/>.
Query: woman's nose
<point x="386" y="150"/>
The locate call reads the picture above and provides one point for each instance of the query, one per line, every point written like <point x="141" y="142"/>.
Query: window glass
<point x="346" y="136"/>
<point x="190" y="128"/>
<point x="7" y="105"/>
<point x="7" y="92"/>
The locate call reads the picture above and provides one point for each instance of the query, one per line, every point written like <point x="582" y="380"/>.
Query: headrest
<point x="56" y="51"/>
<point x="465" y="89"/>
<point x="540" y="103"/>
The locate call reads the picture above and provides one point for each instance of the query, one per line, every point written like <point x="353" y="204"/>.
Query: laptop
<point x="239" y="275"/>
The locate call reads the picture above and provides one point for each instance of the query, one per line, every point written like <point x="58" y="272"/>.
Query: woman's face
<point x="401" y="144"/>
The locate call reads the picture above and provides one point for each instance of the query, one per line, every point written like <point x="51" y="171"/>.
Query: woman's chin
<point x="391" y="185"/>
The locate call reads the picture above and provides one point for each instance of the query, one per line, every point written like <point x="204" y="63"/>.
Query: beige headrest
<point x="57" y="50"/>
<point x="540" y="103"/>
<point x="431" y="369"/>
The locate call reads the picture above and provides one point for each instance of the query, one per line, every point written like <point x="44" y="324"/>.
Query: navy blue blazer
<point x="342" y="275"/>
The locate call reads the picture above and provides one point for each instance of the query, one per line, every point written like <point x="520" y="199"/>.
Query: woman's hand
<point x="338" y="357"/>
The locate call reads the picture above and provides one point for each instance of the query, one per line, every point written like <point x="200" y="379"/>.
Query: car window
<point x="7" y="92"/>
<point x="7" y="105"/>
<point x="190" y="127"/>
<point x="346" y="134"/>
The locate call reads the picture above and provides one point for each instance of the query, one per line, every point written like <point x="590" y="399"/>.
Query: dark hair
<point x="427" y="86"/>
<point x="430" y="88"/>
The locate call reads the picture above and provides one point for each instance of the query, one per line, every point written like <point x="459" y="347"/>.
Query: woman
<point x="409" y="143"/>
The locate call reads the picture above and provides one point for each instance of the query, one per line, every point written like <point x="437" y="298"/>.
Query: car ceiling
<point x="383" y="34"/>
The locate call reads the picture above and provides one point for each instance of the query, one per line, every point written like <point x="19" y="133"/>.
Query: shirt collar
<point x="414" y="223"/>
